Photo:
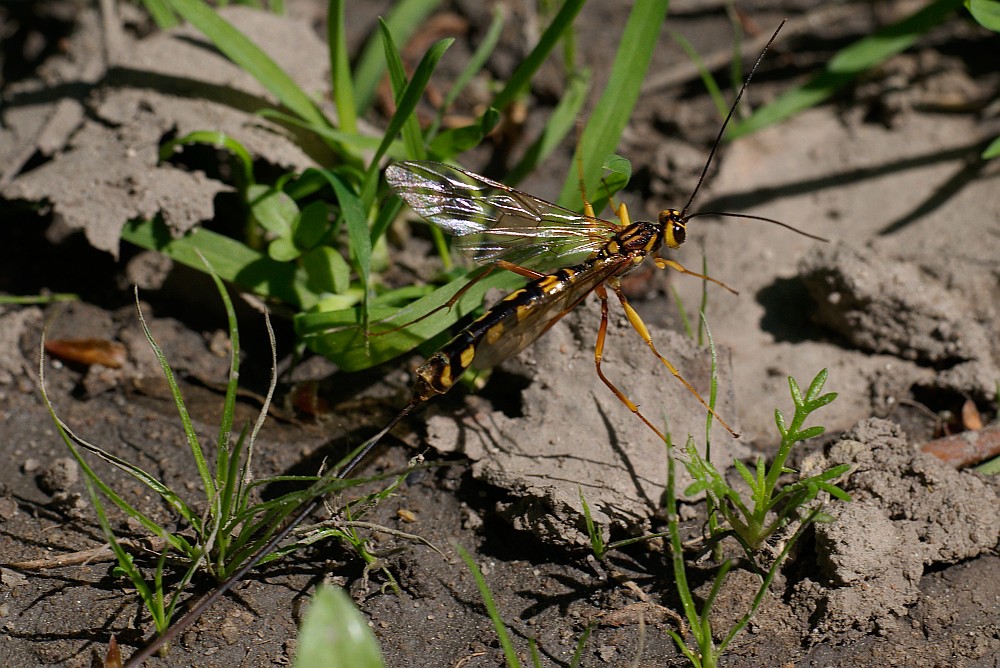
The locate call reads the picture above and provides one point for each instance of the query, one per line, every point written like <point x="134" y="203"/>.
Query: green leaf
<point x="696" y="488"/>
<point x="744" y="472"/>
<point x="779" y="420"/>
<point x="353" y="212"/>
<point x="283" y="249"/>
<point x="603" y="131"/>
<point x="311" y="225"/>
<point x="232" y="260"/>
<point x="327" y="271"/>
<point x="335" y="634"/>
<point x="617" y="172"/>
<point x="273" y="209"/>
<point x="993" y="150"/>
<point x="834" y="491"/>
<point x="986" y="13"/>
<point x="810" y="432"/>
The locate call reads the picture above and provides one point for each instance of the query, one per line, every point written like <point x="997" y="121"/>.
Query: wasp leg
<point x="519" y="270"/>
<point x="640" y="327"/>
<point x="663" y="263"/>
<point x="602" y="332"/>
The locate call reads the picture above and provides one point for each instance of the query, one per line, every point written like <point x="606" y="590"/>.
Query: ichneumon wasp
<point x="500" y="226"/>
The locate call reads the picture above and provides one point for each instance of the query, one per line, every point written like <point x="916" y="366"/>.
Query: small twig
<point x="93" y="555"/>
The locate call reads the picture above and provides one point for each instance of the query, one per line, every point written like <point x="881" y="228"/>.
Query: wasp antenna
<point x="725" y="123"/>
<point x="766" y="220"/>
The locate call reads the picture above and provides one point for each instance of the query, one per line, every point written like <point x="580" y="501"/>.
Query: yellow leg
<point x="663" y="263"/>
<point x="643" y="331"/>
<point x="599" y="355"/>
<point x="623" y="216"/>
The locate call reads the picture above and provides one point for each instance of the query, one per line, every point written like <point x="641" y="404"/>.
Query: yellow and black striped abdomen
<point x="514" y="323"/>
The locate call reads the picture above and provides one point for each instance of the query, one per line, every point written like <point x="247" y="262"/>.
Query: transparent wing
<point x="492" y="221"/>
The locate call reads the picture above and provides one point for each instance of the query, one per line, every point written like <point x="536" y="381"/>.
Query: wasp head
<point x="674" y="225"/>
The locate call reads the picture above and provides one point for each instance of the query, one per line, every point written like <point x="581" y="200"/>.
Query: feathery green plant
<point x="228" y="524"/>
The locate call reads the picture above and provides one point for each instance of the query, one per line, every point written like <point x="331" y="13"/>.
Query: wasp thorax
<point x="674" y="227"/>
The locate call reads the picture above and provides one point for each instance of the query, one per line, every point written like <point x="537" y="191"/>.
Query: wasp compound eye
<point x="679" y="233"/>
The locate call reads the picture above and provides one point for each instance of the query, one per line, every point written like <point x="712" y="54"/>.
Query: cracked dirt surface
<point x="900" y="306"/>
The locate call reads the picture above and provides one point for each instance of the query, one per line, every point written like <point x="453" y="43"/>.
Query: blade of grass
<point x="166" y="493"/>
<point x="353" y="211"/>
<point x="71" y="440"/>
<point x="522" y="76"/>
<point x="125" y="562"/>
<point x="355" y="141"/>
<point x="491" y="608"/>
<point x="603" y="131"/>
<point x="847" y="64"/>
<point x="413" y="139"/>
<point x="405" y="19"/>
<point x="237" y="47"/>
<point x="475" y="65"/>
<point x="161" y="13"/>
<point x="676" y="548"/>
<point x="216" y="139"/>
<point x="406" y="103"/>
<point x="340" y="68"/>
<point x="560" y="123"/>
<point x="39" y="299"/>
<point x="404" y="120"/>
<point x="175" y="391"/>
<point x="706" y="75"/>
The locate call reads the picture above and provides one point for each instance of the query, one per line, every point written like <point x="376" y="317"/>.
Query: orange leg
<point x="602" y="332"/>
<point x="643" y="331"/>
<point x="519" y="270"/>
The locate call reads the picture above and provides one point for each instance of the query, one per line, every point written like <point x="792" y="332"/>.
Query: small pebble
<point x="59" y="476"/>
